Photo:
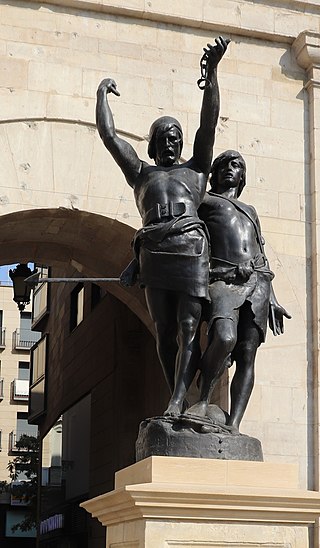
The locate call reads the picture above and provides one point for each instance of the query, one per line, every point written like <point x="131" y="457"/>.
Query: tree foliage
<point x="26" y="462"/>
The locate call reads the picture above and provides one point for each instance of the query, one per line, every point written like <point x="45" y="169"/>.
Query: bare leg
<point x="188" y="319"/>
<point x="162" y="309"/>
<point x="223" y="336"/>
<point x="243" y="380"/>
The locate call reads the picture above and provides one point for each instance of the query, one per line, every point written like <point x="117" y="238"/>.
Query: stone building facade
<point x="64" y="203"/>
<point x="16" y="340"/>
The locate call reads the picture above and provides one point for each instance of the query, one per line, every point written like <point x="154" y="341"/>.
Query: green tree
<point x="27" y="462"/>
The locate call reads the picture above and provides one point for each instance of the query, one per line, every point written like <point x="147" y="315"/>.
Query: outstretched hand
<point x="109" y="86"/>
<point x="215" y="53"/>
<point x="276" y="315"/>
<point x="129" y="275"/>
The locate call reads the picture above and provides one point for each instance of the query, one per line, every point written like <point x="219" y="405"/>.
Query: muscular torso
<point x="233" y="236"/>
<point x="179" y="183"/>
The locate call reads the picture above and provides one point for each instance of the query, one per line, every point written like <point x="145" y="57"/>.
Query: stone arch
<point x="96" y="245"/>
<point x="61" y="162"/>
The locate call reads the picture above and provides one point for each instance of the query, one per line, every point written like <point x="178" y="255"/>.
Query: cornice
<point x="238" y="16"/>
<point x="307" y="49"/>
<point x="160" y="501"/>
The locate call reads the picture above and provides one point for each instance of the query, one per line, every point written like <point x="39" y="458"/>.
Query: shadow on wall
<point x="95" y="245"/>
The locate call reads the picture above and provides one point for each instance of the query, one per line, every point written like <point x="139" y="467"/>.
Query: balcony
<point x="19" y="493"/>
<point x="12" y="442"/>
<point x="15" y="436"/>
<point x="40" y="301"/>
<point x="20" y="390"/>
<point x="24" y="339"/>
<point x="1" y="388"/>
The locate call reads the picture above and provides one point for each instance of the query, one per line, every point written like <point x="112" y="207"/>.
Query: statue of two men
<point x="173" y="253"/>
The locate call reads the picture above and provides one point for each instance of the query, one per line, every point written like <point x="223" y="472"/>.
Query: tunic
<point x="173" y="255"/>
<point x="232" y="285"/>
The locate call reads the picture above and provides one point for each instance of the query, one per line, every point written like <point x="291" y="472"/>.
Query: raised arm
<point x="204" y="139"/>
<point x="123" y="153"/>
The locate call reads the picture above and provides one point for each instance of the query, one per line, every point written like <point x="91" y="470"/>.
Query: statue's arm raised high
<point x="123" y="153"/>
<point x="205" y="136"/>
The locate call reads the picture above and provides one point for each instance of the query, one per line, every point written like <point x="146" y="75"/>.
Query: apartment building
<point x="89" y="371"/>
<point x="16" y="339"/>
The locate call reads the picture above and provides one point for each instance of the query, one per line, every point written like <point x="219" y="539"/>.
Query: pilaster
<point x="307" y="50"/>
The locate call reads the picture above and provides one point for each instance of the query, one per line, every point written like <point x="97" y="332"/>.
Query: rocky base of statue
<point x="196" y="437"/>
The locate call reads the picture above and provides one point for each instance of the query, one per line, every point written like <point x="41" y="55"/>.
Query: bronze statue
<point x="240" y="288"/>
<point x="172" y="245"/>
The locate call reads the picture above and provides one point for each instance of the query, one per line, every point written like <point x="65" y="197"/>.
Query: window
<point x="23" y="427"/>
<point x="25" y="338"/>
<point x="37" y="400"/>
<point x="40" y="303"/>
<point x="1" y="387"/>
<point x="25" y="320"/>
<point x="23" y="371"/>
<point x="2" y="330"/>
<point x="65" y="458"/>
<point x="95" y="295"/>
<point x="76" y="306"/>
<point x="38" y="359"/>
<point x="20" y="386"/>
<point x="13" y="517"/>
<point x="37" y="388"/>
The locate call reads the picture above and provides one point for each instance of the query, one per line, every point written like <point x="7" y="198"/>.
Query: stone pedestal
<point x="184" y="502"/>
<point x="189" y="436"/>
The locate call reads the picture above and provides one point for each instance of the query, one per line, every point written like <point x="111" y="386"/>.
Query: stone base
<point x="173" y="502"/>
<point x="187" y="436"/>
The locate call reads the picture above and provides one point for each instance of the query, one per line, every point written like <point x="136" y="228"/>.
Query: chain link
<point x="204" y="82"/>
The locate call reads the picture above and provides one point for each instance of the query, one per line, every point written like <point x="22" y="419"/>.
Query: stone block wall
<point x="52" y="58"/>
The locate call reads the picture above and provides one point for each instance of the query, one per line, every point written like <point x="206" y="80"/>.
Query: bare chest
<point x="232" y="232"/>
<point x="162" y="186"/>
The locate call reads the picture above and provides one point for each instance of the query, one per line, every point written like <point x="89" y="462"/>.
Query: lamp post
<point x="21" y="289"/>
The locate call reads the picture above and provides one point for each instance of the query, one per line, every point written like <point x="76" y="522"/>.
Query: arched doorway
<point x="93" y="244"/>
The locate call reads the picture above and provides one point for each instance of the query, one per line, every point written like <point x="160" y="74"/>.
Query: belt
<point x="229" y="272"/>
<point x="160" y="212"/>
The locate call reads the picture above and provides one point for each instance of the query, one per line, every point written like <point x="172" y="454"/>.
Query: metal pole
<point x="35" y="280"/>
<point x="57" y="280"/>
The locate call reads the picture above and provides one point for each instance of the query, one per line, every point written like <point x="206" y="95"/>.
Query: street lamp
<point x="21" y="289"/>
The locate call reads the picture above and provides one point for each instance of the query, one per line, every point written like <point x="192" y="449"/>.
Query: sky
<point x="4" y="272"/>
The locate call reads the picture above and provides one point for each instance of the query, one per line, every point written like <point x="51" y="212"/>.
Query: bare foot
<point x="173" y="409"/>
<point x="233" y="428"/>
<point x="199" y="409"/>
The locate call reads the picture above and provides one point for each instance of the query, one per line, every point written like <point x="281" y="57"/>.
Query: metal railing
<point x="1" y="388"/>
<point x="20" y="390"/>
<point x="15" y="436"/>
<point x="12" y="442"/>
<point x="24" y="339"/>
